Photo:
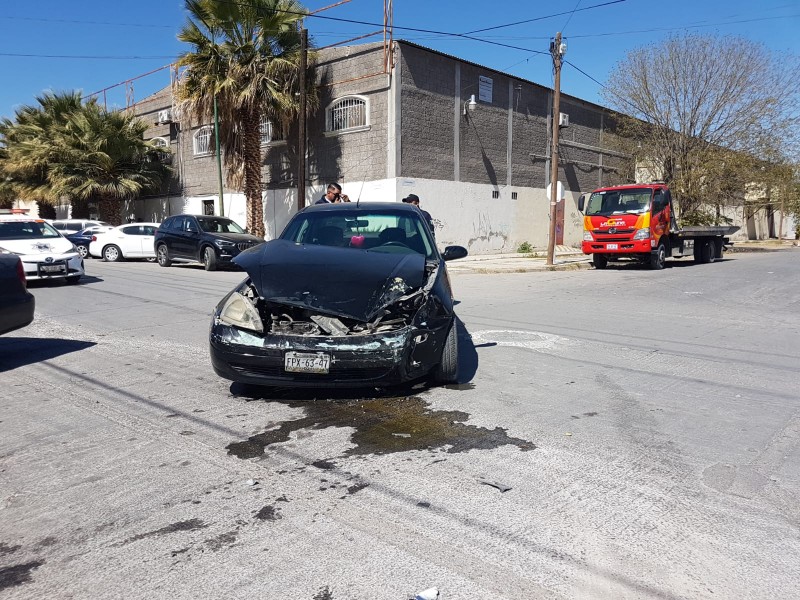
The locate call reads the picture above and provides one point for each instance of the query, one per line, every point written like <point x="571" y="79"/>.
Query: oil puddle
<point x="384" y="426"/>
<point x="18" y="574"/>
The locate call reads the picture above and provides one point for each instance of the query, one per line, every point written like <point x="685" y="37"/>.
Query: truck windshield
<point x="619" y="202"/>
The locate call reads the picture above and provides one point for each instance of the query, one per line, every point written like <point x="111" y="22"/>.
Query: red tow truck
<point x="637" y="222"/>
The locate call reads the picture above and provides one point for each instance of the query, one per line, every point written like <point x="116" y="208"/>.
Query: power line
<point x="570" y="16"/>
<point x="561" y="14"/>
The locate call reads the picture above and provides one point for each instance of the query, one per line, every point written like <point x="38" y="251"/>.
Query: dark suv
<point x="211" y="240"/>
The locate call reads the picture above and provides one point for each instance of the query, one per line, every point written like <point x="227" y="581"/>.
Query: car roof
<point x="361" y="207"/>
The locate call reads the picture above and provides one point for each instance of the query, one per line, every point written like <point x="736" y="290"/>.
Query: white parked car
<point x="45" y="253"/>
<point x="134" y="240"/>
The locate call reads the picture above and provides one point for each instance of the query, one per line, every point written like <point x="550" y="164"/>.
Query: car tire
<point x="447" y="369"/>
<point x="658" y="258"/>
<point x="209" y="259"/>
<point x="73" y="280"/>
<point x="599" y="261"/>
<point x="83" y="250"/>
<point x="112" y="253"/>
<point x="162" y="256"/>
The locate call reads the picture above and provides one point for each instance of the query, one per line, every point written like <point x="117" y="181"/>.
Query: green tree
<point x="29" y="142"/>
<point x="247" y="55"/>
<point x="705" y="113"/>
<point x="64" y="149"/>
<point x="102" y="156"/>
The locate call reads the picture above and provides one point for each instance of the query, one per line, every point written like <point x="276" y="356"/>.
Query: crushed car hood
<point x="344" y="282"/>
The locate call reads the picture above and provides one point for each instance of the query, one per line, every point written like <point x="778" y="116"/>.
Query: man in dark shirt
<point x="333" y="194"/>
<point x="414" y="199"/>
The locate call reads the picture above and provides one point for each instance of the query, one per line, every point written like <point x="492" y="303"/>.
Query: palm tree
<point x="247" y="56"/>
<point x="29" y="141"/>
<point x="102" y="156"/>
<point x="63" y="148"/>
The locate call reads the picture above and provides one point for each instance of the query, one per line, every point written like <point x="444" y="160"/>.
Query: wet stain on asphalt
<point x="188" y="525"/>
<point x="268" y="513"/>
<point x="383" y="426"/>
<point x="223" y="540"/>
<point x="17" y="574"/>
<point x="8" y="549"/>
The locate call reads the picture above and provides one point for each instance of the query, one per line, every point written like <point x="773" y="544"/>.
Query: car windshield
<point x="26" y="230"/>
<point x="371" y="231"/>
<point x="219" y="225"/>
<point x="618" y="202"/>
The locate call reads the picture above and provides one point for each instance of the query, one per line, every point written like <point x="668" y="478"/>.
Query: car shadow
<point x="47" y="283"/>
<point x="18" y="352"/>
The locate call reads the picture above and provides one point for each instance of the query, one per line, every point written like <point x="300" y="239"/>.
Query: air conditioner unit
<point x="563" y="120"/>
<point x="163" y="116"/>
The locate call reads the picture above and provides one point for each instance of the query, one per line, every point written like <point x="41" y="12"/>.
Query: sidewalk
<point x="568" y="258"/>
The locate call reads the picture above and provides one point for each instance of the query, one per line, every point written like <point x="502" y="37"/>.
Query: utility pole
<point x="557" y="50"/>
<point x="219" y="160"/>
<point x="301" y="144"/>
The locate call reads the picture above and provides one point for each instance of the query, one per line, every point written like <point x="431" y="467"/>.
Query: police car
<point x="45" y="253"/>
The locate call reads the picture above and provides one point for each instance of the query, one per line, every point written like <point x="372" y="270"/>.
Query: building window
<point x="163" y="156"/>
<point x="347" y="113"/>
<point x="159" y="142"/>
<point x="269" y="133"/>
<point x="495" y="194"/>
<point x="202" y="141"/>
<point x="208" y="207"/>
<point x="513" y="195"/>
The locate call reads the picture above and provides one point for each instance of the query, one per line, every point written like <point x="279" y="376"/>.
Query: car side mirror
<point x="581" y="202"/>
<point x="454" y="252"/>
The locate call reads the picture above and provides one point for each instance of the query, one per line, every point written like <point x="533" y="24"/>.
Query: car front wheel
<point x="83" y="250"/>
<point x="209" y="259"/>
<point x="447" y="370"/>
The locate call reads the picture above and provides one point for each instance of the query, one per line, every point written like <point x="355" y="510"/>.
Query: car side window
<point x="131" y="230"/>
<point x="190" y="225"/>
<point x="177" y="224"/>
<point x="58" y="225"/>
<point x="148" y="230"/>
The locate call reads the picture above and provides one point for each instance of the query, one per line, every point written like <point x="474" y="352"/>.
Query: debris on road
<point x="500" y="486"/>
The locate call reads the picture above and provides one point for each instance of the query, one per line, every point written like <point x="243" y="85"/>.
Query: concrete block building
<point x="472" y="142"/>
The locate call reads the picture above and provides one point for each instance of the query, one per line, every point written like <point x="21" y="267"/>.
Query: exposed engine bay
<point x="399" y="306"/>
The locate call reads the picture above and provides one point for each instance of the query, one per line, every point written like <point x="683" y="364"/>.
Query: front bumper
<point x="356" y="361"/>
<point x="619" y="247"/>
<point x="52" y="266"/>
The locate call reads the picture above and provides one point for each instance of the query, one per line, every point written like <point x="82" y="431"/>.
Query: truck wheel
<point x="599" y="261"/>
<point x="658" y="258"/>
<point x="719" y="248"/>
<point x="703" y="252"/>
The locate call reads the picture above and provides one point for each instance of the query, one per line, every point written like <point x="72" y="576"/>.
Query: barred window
<point x="347" y="113"/>
<point x="269" y="133"/>
<point x="202" y="141"/>
<point x="159" y="142"/>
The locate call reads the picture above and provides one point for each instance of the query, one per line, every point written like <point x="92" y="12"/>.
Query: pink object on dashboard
<point x="357" y="241"/>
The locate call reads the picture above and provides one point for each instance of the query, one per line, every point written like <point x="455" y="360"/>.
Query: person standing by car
<point x="414" y="199"/>
<point x="333" y="194"/>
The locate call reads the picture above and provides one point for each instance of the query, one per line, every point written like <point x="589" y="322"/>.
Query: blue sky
<point x="92" y="45"/>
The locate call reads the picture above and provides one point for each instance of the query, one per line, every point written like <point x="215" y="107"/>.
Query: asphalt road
<point x="644" y="426"/>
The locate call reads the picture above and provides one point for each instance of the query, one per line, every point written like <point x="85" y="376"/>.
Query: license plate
<point x="53" y="268"/>
<point x="306" y="362"/>
<point x="612" y="246"/>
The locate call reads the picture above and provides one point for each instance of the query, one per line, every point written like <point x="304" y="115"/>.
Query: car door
<point x="191" y="238"/>
<point x="148" y="233"/>
<point x="130" y="240"/>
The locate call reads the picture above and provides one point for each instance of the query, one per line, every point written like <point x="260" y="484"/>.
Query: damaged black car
<point x="351" y="294"/>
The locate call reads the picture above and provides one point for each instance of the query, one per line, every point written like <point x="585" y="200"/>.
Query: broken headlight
<point x="239" y="311"/>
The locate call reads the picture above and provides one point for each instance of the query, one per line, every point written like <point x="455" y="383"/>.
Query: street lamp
<point x="470" y="104"/>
